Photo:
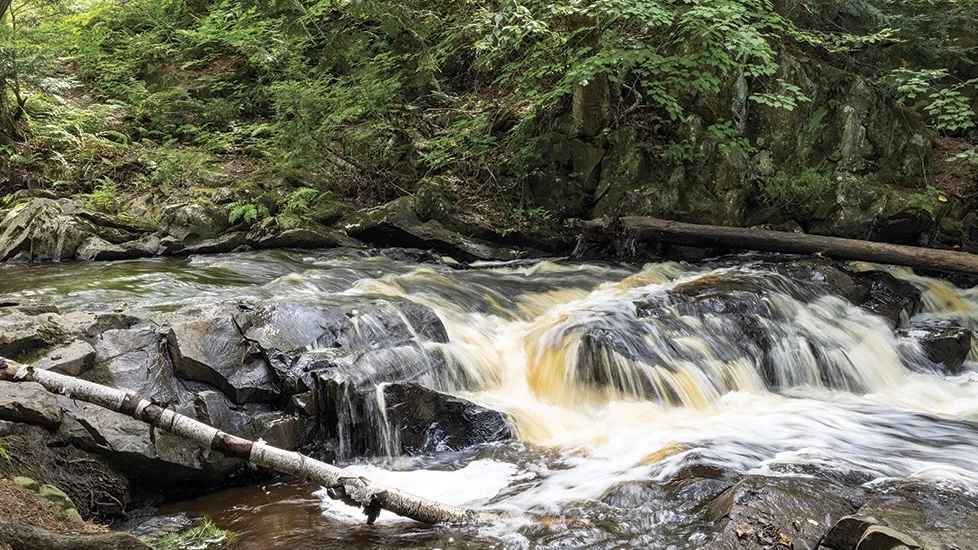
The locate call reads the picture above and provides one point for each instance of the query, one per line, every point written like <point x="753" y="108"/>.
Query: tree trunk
<point x="353" y="490"/>
<point x="624" y="232"/>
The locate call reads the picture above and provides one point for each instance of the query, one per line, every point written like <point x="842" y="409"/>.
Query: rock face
<point x="48" y="229"/>
<point x="425" y="421"/>
<point x="215" y="352"/>
<point x="779" y="512"/>
<point x="906" y="514"/>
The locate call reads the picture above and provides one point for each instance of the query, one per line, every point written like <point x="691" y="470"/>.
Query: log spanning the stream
<point x="632" y="229"/>
<point x="353" y="490"/>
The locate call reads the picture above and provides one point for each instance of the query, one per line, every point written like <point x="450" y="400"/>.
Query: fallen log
<point x="353" y="490"/>
<point x="624" y="232"/>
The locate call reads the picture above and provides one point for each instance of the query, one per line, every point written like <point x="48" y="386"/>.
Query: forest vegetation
<point x="522" y="111"/>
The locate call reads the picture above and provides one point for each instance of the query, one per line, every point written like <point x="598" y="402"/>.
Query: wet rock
<point x="425" y="421"/>
<point x="345" y="389"/>
<point x="214" y="351"/>
<point x="29" y="402"/>
<point x="945" y="346"/>
<point x="793" y="512"/>
<point x="847" y="532"/>
<point x="395" y="224"/>
<point x="920" y="515"/>
<point x="72" y="359"/>
<point x="135" y="360"/>
<point x="893" y="299"/>
<point x="24" y="337"/>
<point x="251" y="421"/>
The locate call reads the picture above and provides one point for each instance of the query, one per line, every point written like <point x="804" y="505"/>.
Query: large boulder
<point x="215" y="351"/>
<point x="761" y="512"/>
<point x="190" y="223"/>
<point x="47" y="229"/>
<point x="422" y="420"/>
<point x="135" y="360"/>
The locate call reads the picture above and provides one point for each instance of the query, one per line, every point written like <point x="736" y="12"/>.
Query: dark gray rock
<point x="889" y="297"/>
<point x="214" y="351"/>
<point x="135" y="360"/>
<point x="424" y="421"/>
<point x="251" y="421"/>
<point x="920" y="515"/>
<point x="945" y="347"/>
<point x="29" y="402"/>
<point x="762" y="512"/>
<point x="72" y="359"/>
<point x="147" y="458"/>
<point x="227" y="242"/>
<point x="847" y="532"/>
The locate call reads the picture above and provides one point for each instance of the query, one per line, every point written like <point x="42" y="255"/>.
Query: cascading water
<point x="617" y="382"/>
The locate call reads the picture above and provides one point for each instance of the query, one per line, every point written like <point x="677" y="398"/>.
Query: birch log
<point x="624" y="232"/>
<point x="353" y="490"/>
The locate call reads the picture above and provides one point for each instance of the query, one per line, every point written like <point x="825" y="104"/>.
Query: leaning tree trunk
<point x="624" y="232"/>
<point x="353" y="490"/>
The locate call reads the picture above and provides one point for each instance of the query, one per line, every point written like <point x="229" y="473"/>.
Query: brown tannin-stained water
<point x="617" y="380"/>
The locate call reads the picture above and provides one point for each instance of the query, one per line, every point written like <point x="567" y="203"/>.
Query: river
<point x="614" y="389"/>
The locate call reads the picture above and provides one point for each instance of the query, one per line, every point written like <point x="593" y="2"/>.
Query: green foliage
<point x="970" y="156"/>
<point x="928" y="200"/>
<point x="802" y="193"/>
<point x="299" y="203"/>
<point x="103" y="196"/>
<point x="203" y="536"/>
<point x="789" y="97"/>
<point x="246" y="212"/>
<point x="731" y="139"/>
<point x="934" y="92"/>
